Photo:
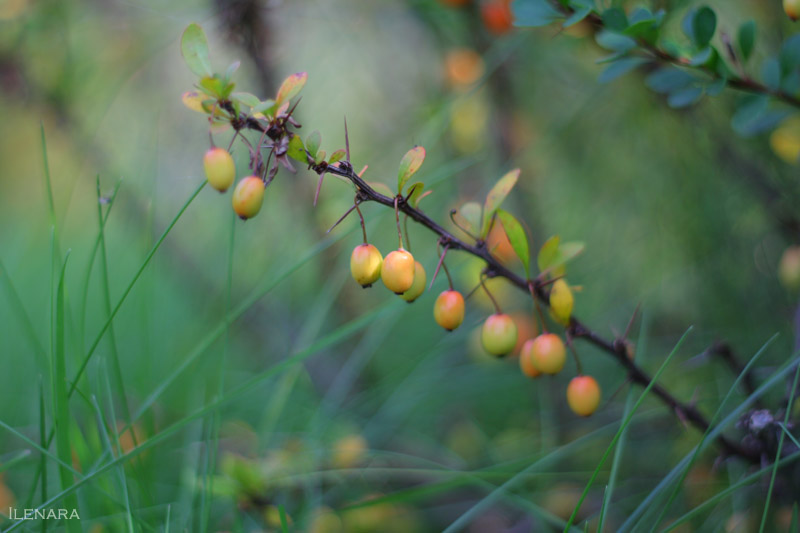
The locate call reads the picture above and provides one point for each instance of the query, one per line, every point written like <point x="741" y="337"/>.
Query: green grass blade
<point x="612" y="478"/>
<point x="16" y="459"/>
<point x="780" y="449"/>
<point x="717" y="413"/>
<point x="624" y="425"/>
<point x="128" y="289"/>
<point x="284" y="521"/>
<point x="18" y="310"/>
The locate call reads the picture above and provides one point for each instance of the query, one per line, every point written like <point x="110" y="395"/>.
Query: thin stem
<point x="361" y="218"/>
<point x="538" y="307"/>
<point x="489" y="294"/>
<point x="438" y="266"/>
<point x="459" y="226"/>
<point x="574" y="352"/>
<point x="397" y="218"/>
<point x="341" y="218"/>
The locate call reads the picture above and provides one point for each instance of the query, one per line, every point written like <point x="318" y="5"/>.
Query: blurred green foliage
<point x="373" y="399"/>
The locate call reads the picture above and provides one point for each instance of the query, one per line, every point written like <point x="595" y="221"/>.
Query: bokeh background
<point x="359" y="412"/>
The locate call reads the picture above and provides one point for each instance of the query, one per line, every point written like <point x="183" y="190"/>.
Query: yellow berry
<point x="418" y="287"/>
<point x="397" y="272"/>
<point x="583" y="395"/>
<point x="449" y="310"/>
<point x="561" y="301"/>
<point x="548" y="353"/>
<point x="792" y="8"/>
<point x="220" y="169"/>
<point x="499" y="334"/>
<point x="789" y="268"/>
<point x="365" y="264"/>
<point x="248" y="197"/>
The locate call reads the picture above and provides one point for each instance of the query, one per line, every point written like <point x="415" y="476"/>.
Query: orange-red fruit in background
<point x="248" y="197"/>
<point x="548" y="353"/>
<point x="455" y="3"/>
<point x="448" y="310"/>
<point x="220" y="169"/>
<point x="583" y="395"/>
<point x="792" y="8"/>
<point x="397" y="272"/>
<point x="499" y="246"/>
<point x="497" y="16"/>
<point x="526" y="360"/>
<point x="365" y="264"/>
<point x="499" y="334"/>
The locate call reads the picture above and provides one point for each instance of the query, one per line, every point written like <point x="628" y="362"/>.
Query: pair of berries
<point x="546" y="354"/>
<point x="399" y="271"/>
<point x="248" y="196"/>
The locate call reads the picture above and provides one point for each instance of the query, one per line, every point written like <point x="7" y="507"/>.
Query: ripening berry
<point x="248" y="197"/>
<point x="561" y="301"/>
<point x="789" y="268"/>
<point x="526" y="360"/>
<point x="365" y="264"/>
<point x="548" y="353"/>
<point x="583" y="395"/>
<point x="397" y="272"/>
<point x="792" y="8"/>
<point x="418" y="287"/>
<point x="220" y="169"/>
<point x="497" y="16"/>
<point x="449" y="310"/>
<point x="499" y="334"/>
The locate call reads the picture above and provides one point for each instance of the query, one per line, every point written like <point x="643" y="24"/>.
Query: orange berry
<point x="220" y="169"/>
<point x="365" y="264"/>
<point x="583" y="395"/>
<point x="248" y="197"/>
<point x="397" y="272"/>
<point x="526" y="360"/>
<point x="449" y="310"/>
<point x="548" y="353"/>
<point x="497" y="16"/>
<point x="499" y="334"/>
<point x="792" y="8"/>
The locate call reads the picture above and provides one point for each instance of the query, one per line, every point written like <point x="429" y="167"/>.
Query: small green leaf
<point x="381" y="188"/>
<point x="684" y="97"/>
<point x="517" y="237"/>
<point x="747" y="38"/>
<point x="704" y="24"/>
<point x="267" y="107"/>
<point x="194" y="48"/>
<point x="469" y="217"/>
<point x="414" y="193"/>
<point x="702" y="57"/>
<point x="290" y="87"/>
<point x="250" y="100"/>
<point x="548" y="253"/>
<point x="495" y="198"/>
<point x="296" y="150"/>
<point x="409" y="165"/>
<point x="667" y="80"/>
<point x="620" y="68"/>
<point x="615" y="41"/>
<point x="313" y="142"/>
<point x="320" y="157"/>
<point x="337" y="156"/>
<point x="577" y="16"/>
<point x="231" y="70"/>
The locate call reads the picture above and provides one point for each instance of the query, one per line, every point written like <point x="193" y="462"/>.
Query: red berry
<point x="583" y="395"/>
<point x="449" y="310"/>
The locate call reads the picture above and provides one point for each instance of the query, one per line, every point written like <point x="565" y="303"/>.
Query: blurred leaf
<point x="615" y="41"/>
<point x="704" y="24"/>
<point x="231" y="70"/>
<point x="296" y="150"/>
<point x="615" y="19"/>
<point x="496" y="196"/>
<point x="716" y="87"/>
<point x="193" y="101"/>
<point x="337" y="156"/>
<point x="250" y="100"/>
<point x="469" y="216"/>
<point x="747" y="38"/>
<point x="668" y="79"/>
<point x="267" y="107"/>
<point x="517" y="237"/>
<point x="702" y="57"/>
<point x="771" y="73"/>
<point x="320" y="157"/>
<point x="533" y="13"/>
<point x="213" y="85"/>
<point x="620" y="68"/>
<point x="684" y="97"/>
<point x="290" y="87"/>
<point x="754" y="116"/>
<point x="313" y="141"/>
<point x="577" y="16"/>
<point x="414" y="193"/>
<point x="553" y="253"/>
<point x="409" y="165"/>
<point x="194" y="48"/>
